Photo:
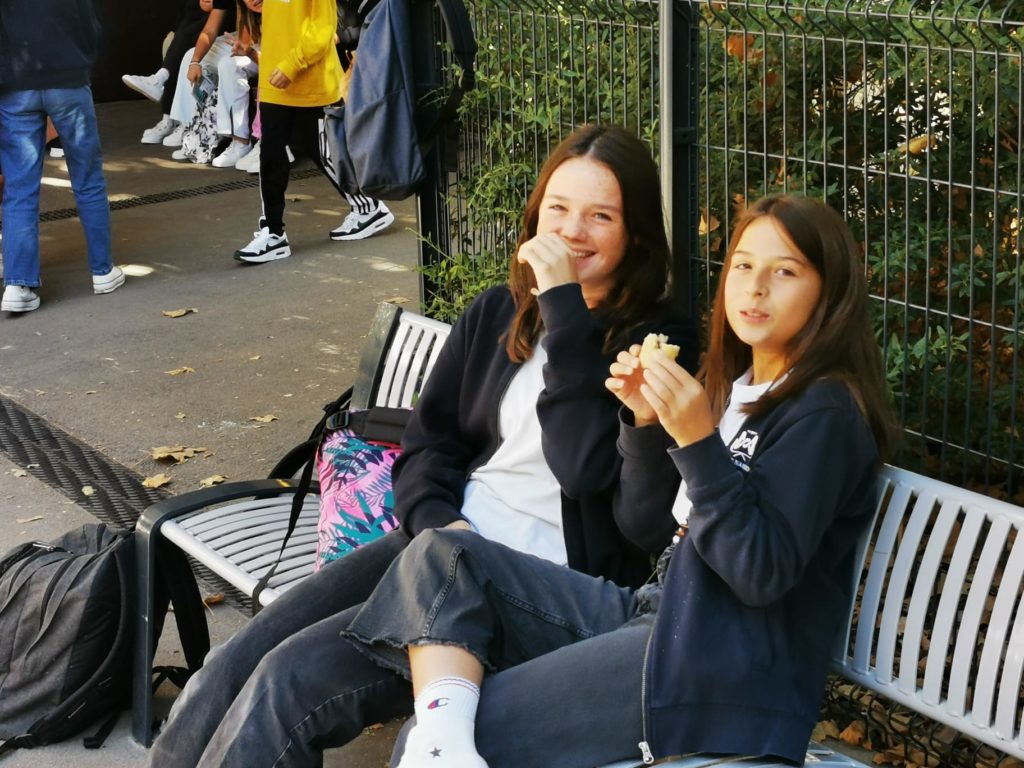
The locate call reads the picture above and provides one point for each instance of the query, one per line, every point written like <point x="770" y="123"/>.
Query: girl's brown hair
<point x="249" y="21"/>
<point x="836" y="342"/>
<point x="642" y="277"/>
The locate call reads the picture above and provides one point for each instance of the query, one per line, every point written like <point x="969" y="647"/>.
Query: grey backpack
<point x="375" y="143"/>
<point x="65" y="633"/>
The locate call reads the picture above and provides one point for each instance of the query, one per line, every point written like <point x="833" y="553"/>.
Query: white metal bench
<point x="235" y="530"/>
<point x="937" y="623"/>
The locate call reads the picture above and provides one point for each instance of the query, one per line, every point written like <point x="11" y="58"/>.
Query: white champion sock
<point x="162" y="74"/>
<point x="443" y="735"/>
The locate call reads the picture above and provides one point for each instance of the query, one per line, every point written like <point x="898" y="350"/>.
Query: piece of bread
<point x="656" y="344"/>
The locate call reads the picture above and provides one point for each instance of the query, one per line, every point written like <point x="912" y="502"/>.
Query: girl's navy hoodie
<point x="47" y="43"/>
<point x="454" y="427"/>
<point x="757" y="588"/>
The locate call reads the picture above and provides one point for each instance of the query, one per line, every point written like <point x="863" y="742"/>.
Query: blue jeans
<point x="22" y="143"/>
<point x="565" y="650"/>
<point x="286" y="686"/>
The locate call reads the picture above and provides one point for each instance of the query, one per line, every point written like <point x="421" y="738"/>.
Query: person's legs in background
<point x="74" y="116"/>
<point x="270" y="242"/>
<point x="21" y="156"/>
<point x="233" y="107"/>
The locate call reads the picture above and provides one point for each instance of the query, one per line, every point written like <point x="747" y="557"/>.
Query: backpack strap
<point x="464" y="48"/>
<point x="303" y="455"/>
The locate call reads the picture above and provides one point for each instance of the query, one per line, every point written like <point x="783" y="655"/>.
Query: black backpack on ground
<point x="66" y="633"/>
<point x="375" y="143"/>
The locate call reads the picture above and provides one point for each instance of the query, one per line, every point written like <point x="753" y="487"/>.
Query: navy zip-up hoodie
<point x="757" y="588"/>
<point x="454" y="427"/>
<point x="47" y="43"/>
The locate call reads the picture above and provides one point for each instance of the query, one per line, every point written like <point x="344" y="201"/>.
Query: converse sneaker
<point x="19" y="298"/>
<point x="173" y="139"/>
<point x="250" y="161"/>
<point x="264" y="247"/>
<point x="109" y="282"/>
<point x="150" y="86"/>
<point x="230" y="156"/>
<point x="160" y="131"/>
<point x="357" y="226"/>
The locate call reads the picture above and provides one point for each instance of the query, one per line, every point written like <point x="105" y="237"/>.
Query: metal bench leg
<point x="142" y="656"/>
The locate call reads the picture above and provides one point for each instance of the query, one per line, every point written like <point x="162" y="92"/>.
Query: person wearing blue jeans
<point x="47" y="49"/>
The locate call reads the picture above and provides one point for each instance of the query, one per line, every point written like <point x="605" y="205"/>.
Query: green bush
<point x="903" y="118"/>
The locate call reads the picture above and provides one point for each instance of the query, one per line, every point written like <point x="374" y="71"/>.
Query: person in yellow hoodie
<point x="300" y="74"/>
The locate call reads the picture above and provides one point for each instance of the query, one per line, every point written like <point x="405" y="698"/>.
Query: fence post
<point x="431" y="210"/>
<point x="678" y="42"/>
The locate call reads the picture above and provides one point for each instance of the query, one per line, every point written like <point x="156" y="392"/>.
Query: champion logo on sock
<point x="437" y="703"/>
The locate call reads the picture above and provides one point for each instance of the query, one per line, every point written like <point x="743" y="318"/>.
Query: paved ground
<point x="276" y="339"/>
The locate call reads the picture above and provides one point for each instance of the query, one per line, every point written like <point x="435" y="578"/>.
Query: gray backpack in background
<point x="66" y="633"/>
<point x="376" y="141"/>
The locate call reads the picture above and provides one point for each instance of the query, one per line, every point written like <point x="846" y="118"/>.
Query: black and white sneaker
<point x="264" y="247"/>
<point x="357" y="226"/>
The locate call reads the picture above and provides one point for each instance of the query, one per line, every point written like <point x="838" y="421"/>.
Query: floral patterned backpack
<point x="356" y="498"/>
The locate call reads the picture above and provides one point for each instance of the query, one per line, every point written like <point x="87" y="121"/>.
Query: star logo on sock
<point x="435" y="752"/>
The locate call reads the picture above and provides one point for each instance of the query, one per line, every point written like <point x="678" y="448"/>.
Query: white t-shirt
<point x="743" y="392"/>
<point x="514" y="498"/>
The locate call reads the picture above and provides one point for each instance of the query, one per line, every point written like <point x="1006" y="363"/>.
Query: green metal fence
<point x="903" y="114"/>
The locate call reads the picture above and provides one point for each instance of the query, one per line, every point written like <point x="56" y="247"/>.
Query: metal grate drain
<point x="61" y="461"/>
<point x="69" y="465"/>
<point x="178" y="194"/>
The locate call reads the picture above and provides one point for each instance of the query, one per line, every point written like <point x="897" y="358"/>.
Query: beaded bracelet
<point x="194" y="64"/>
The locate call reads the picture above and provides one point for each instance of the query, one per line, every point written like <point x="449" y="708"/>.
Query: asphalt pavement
<point x="265" y="346"/>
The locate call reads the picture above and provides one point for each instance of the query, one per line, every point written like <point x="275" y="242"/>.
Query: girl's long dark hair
<point x="836" y="342"/>
<point x="641" y="279"/>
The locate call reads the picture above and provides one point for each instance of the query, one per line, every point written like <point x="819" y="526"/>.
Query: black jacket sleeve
<point x="429" y="477"/>
<point x="577" y="413"/>
<point x="650" y="481"/>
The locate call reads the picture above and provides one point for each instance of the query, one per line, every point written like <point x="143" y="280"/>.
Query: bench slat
<point x="970" y="620"/>
<point x="920" y="600"/>
<point x="995" y="638"/>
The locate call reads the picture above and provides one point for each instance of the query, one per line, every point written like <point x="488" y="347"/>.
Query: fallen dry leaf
<point x="30" y="519"/>
<point x="398" y="300"/>
<point x="256" y="357"/>
<point x="19" y="473"/>
<point x="853" y="733"/>
<point x="206" y="482"/>
<point x="264" y="419"/>
<point x="179" y="371"/>
<point x="178" y="453"/>
<point x="179" y="415"/>
<point x="88" y="490"/>
<point x="216" y="599"/>
<point x="826" y="729"/>
<point x="179" y="312"/>
<point x="155" y="481"/>
<point x="90" y="392"/>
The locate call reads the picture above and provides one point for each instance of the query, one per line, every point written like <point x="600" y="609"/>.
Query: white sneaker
<point x="229" y="157"/>
<point x="19" y="298"/>
<point x="173" y="139"/>
<point x="180" y="154"/>
<point x="109" y="282"/>
<point x="358" y="226"/>
<point x="250" y="161"/>
<point x="150" y="86"/>
<point x="160" y="131"/>
<point x="264" y="247"/>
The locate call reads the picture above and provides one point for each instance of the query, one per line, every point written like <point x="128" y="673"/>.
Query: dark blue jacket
<point x="756" y="590"/>
<point x="454" y="427"/>
<point x="47" y="43"/>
